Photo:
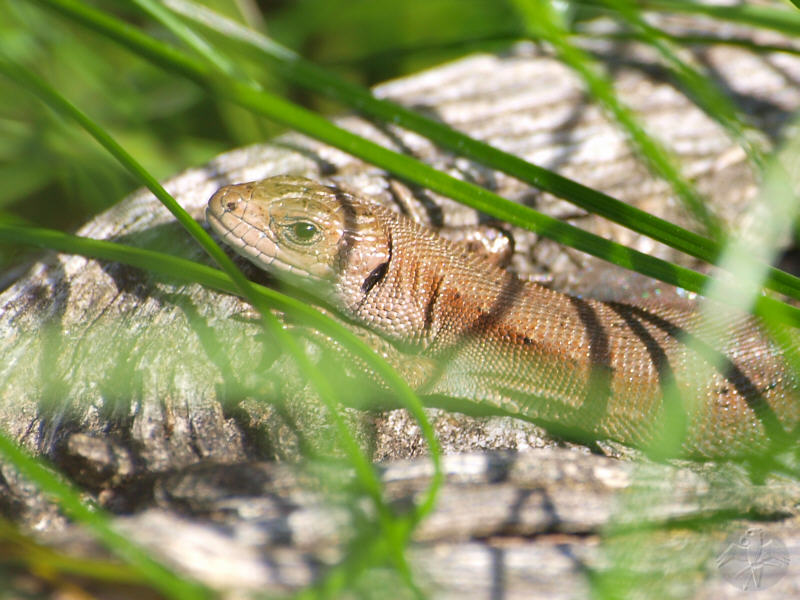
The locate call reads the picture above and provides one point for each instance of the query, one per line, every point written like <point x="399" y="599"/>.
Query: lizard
<point x="658" y="376"/>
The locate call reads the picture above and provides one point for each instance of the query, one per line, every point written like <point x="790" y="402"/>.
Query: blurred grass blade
<point x="164" y="580"/>
<point x="699" y="86"/>
<point x="19" y="548"/>
<point x="406" y="167"/>
<point x="751" y="15"/>
<point x="543" y="22"/>
<point x="182" y="269"/>
<point x="191" y="39"/>
<point x="696" y="39"/>
<point x="186" y="270"/>
<point x="361" y="463"/>
<point x="410" y="400"/>
<point x="304" y="73"/>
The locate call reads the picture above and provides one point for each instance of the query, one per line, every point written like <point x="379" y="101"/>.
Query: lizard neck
<point x="436" y="292"/>
<point x="432" y="288"/>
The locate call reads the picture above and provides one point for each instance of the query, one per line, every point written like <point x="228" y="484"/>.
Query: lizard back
<point x="706" y="383"/>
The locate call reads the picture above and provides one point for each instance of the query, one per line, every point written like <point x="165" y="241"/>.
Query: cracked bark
<point x="128" y="383"/>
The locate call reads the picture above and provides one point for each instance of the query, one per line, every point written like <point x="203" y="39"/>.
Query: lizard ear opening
<point x="377" y="274"/>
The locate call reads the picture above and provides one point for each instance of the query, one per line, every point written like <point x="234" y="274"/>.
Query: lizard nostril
<point x="231" y="204"/>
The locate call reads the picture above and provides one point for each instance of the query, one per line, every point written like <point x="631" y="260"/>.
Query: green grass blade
<point x="182" y="269"/>
<point x="190" y="38"/>
<point x="304" y="73"/>
<point x="751" y="15"/>
<point x="699" y="86"/>
<point x="361" y="463"/>
<point x="696" y="39"/>
<point x="186" y="270"/>
<point x="202" y="67"/>
<point x="164" y="580"/>
<point x="543" y="22"/>
<point x="406" y="167"/>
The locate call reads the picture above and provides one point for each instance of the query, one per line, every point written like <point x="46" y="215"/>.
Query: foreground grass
<point x="213" y="78"/>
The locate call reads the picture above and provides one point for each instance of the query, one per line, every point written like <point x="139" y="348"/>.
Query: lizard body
<point x="710" y="385"/>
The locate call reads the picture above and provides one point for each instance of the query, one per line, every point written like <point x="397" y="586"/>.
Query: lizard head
<point x="317" y="236"/>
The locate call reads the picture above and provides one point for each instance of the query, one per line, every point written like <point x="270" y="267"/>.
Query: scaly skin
<point x="660" y="377"/>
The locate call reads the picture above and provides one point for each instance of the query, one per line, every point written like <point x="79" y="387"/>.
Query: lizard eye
<point x="303" y="231"/>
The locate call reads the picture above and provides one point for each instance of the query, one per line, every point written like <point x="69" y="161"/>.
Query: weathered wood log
<point x="139" y="387"/>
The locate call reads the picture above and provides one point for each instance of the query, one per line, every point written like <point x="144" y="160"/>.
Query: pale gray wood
<point x="506" y="525"/>
<point x="134" y="385"/>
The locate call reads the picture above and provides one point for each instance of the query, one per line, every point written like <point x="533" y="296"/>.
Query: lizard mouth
<point x="263" y="253"/>
<point x="245" y="224"/>
<point x="226" y="213"/>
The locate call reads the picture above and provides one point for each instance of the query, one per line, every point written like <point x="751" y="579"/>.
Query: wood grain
<point x="120" y="377"/>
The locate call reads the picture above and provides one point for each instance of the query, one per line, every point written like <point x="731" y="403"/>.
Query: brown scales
<point x="710" y="384"/>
